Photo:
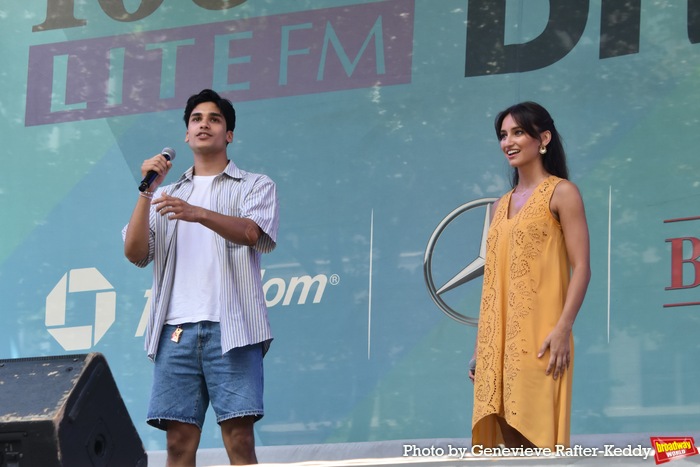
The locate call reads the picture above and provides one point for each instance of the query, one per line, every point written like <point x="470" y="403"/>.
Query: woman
<point x="536" y="275"/>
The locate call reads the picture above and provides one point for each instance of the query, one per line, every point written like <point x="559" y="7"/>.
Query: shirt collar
<point x="231" y="170"/>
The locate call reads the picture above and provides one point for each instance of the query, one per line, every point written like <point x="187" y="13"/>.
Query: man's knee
<point x="182" y="439"/>
<point x="239" y="437"/>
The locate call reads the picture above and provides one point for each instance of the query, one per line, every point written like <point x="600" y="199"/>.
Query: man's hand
<point x="158" y="164"/>
<point x="175" y="208"/>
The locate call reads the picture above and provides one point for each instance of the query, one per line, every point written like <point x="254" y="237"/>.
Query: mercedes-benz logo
<point x="472" y="271"/>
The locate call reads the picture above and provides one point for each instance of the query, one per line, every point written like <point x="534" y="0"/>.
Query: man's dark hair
<point x="224" y="105"/>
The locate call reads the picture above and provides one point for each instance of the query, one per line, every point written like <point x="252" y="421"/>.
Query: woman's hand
<point x="472" y="368"/>
<point x="559" y="351"/>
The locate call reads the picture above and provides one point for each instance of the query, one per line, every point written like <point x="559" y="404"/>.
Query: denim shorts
<point x="192" y="372"/>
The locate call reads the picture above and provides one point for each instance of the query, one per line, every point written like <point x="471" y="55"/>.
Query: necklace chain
<point x="523" y="193"/>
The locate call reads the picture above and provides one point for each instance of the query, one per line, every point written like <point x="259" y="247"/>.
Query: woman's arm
<point x="567" y="204"/>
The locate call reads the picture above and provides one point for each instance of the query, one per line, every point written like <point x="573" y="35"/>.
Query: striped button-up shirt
<point x="244" y="313"/>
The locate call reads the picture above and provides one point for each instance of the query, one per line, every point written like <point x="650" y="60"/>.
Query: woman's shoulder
<point x="566" y="196"/>
<point x="564" y="187"/>
<point x="500" y="199"/>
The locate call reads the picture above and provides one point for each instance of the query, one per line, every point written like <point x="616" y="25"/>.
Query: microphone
<point x="169" y="154"/>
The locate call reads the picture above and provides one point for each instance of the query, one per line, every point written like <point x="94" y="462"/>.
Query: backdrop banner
<point x="375" y="119"/>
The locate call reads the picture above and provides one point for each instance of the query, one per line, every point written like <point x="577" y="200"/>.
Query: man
<point x="208" y="329"/>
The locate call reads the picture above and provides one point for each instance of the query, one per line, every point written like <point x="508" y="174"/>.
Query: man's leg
<point x="179" y="400"/>
<point x="235" y="382"/>
<point x="183" y="441"/>
<point x="239" y="440"/>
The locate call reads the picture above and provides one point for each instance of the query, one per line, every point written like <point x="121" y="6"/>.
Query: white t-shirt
<point x="196" y="286"/>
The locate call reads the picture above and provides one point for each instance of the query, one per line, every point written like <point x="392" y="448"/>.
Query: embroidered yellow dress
<point x="525" y="281"/>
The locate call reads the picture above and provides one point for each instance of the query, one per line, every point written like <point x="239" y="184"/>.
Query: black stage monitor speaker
<point x="64" y="411"/>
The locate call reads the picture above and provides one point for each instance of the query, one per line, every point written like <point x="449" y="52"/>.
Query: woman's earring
<point x="543" y="150"/>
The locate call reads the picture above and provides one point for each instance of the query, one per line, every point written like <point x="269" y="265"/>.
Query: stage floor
<point x="622" y="450"/>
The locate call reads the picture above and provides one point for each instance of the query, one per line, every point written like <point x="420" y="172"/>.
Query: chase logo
<point x="63" y="297"/>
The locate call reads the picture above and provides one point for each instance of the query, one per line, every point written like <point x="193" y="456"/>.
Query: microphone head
<point x="169" y="153"/>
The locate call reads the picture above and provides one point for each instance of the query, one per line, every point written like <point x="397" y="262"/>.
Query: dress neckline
<point x="526" y="202"/>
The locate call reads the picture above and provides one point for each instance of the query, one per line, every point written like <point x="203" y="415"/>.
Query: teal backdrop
<point x="375" y="118"/>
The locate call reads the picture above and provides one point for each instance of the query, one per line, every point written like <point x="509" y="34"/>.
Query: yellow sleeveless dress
<point x="525" y="281"/>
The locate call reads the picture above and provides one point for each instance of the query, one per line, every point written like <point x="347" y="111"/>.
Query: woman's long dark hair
<point x="534" y="119"/>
